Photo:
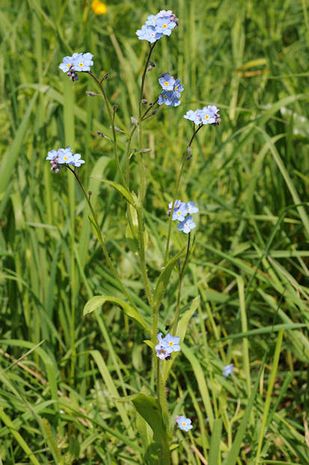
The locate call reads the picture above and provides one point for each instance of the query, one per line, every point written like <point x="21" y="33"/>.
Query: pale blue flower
<point x="168" y="98"/>
<point x="184" y="423"/>
<point x="180" y="213"/>
<point x="178" y="88"/>
<point x="156" y="26"/>
<point x="192" y="208"/>
<point x="228" y="370"/>
<point x="206" y="115"/>
<point x="187" y="225"/>
<point x="148" y="33"/>
<point x="78" y="62"/>
<point x="171" y="343"/>
<point x="177" y="204"/>
<point x="76" y="160"/>
<point x="166" y="345"/>
<point x="83" y="62"/>
<point x="193" y="116"/>
<point x="67" y="63"/>
<point x="64" y="156"/>
<point x="167" y="81"/>
<point x="171" y="92"/>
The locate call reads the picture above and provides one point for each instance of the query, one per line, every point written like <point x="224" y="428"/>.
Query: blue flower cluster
<point x="206" y="115"/>
<point x="171" y="92"/>
<point x="157" y="26"/>
<point x="182" y="212"/>
<point x="78" y="62"/>
<point x="166" y="345"/>
<point x="184" y="423"/>
<point x="64" y="157"/>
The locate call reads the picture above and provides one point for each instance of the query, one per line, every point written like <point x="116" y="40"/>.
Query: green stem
<point x="179" y="176"/>
<point x="152" y="46"/>
<point x="181" y="276"/>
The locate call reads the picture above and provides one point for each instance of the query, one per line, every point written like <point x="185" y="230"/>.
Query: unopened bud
<point x="91" y="94"/>
<point x="151" y="66"/>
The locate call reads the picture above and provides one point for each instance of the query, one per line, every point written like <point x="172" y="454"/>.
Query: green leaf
<point x="122" y="190"/>
<point x="213" y="457"/>
<point x="97" y="301"/>
<point x="150" y="410"/>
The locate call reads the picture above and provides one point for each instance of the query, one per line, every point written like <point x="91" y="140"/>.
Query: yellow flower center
<point x="166" y="83"/>
<point x="164" y="26"/>
<point x="81" y="65"/>
<point x="171" y="343"/>
<point x="183" y="423"/>
<point x="206" y="117"/>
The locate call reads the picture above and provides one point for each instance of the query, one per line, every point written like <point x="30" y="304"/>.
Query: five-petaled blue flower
<point x="78" y="62"/>
<point x="206" y="115"/>
<point x="171" y="90"/>
<point x="228" y="370"/>
<point x="157" y="26"/>
<point x="64" y="157"/>
<point x="184" y="423"/>
<point x="166" y="345"/>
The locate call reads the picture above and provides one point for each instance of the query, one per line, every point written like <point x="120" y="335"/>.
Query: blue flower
<point x="177" y="204"/>
<point x="76" y="160"/>
<point x="180" y="211"/>
<point x="171" y="92"/>
<point x="83" y="62"/>
<point x="184" y="423"/>
<point x="192" y="208"/>
<point x="206" y="115"/>
<point x="178" y="87"/>
<point x="63" y="157"/>
<point x="187" y="225"/>
<point x="156" y="26"/>
<point x="166" y="345"/>
<point x="168" y="98"/>
<point x="167" y="81"/>
<point x="148" y="33"/>
<point x="228" y="370"/>
<point x="78" y="62"/>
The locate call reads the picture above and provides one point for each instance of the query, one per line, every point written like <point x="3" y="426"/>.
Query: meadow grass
<point x="67" y="380"/>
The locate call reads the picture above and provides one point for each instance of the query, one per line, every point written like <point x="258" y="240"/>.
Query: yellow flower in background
<point x="99" y="8"/>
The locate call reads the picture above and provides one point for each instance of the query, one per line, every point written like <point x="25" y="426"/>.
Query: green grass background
<point x="62" y="374"/>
